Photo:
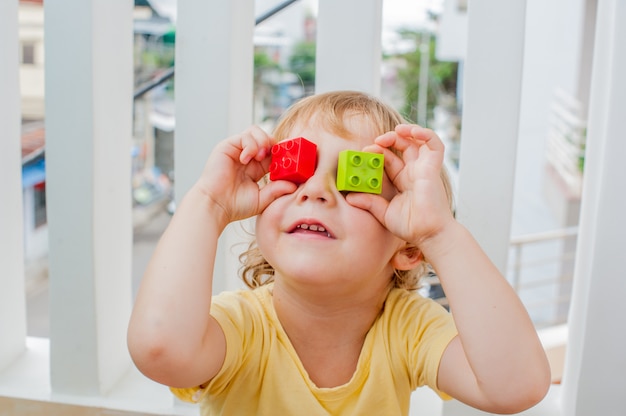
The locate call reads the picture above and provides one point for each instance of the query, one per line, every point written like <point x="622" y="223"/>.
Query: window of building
<point x="41" y="217"/>
<point x="28" y="53"/>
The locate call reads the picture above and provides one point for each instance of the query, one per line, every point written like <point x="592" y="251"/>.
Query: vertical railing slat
<point x="594" y="380"/>
<point x="88" y="127"/>
<point x="214" y="74"/>
<point x="349" y="47"/>
<point x="491" y="108"/>
<point x="12" y="298"/>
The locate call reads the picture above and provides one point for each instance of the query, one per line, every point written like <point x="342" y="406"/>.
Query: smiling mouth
<point x="312" y="228"/>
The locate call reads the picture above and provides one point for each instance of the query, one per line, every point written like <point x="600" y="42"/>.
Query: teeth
<point x="312" y="227"/>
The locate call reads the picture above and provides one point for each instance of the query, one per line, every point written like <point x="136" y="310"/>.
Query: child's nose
<point x="318" y="188"/>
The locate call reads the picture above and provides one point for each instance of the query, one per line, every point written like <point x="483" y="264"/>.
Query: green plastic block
<point x="360" y="172"/>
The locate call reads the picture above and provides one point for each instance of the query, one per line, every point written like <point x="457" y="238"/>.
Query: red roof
<point x="32" y="1"/>
<point x="32" y="141"/>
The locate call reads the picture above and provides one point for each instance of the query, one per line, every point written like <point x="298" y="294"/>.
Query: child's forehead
<point x="350" y="126"/>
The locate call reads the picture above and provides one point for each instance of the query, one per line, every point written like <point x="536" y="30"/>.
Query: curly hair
<point x="330" y="111"/>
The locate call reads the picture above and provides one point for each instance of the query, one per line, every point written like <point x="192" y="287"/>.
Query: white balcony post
<point x="493" y="76"/>
<point x="12" y="298"/>
<point x="594" y="381"/>
<point x="348" y="51"/>
<point x="88" y="126"/>
<point x="214" y="75"/>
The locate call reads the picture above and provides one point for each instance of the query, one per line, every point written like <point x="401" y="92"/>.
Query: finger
<point x="264" y="140"/>
<point x="415" y="143"/>
<point x="257" y="170"/>
<point x="375" y="204"/>
<point x="393" y="163"/>
<point x="407" y="135"/>
<point x="420" y="135"/>
<point x="406" y="145"/>
<point x="255" y="144"/>
<point x="387" y="139"/>
<point x="238" y="147"/>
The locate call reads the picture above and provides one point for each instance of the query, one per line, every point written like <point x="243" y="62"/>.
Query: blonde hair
<point x="330" y="110"/>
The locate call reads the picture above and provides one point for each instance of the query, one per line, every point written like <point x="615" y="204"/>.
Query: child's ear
<point x="407" y="258"/>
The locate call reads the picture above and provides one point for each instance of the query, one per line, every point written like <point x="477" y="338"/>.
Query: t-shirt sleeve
<point x="427" y="329"/>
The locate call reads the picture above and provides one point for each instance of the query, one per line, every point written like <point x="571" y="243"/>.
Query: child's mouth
<point x="312" y="228"/>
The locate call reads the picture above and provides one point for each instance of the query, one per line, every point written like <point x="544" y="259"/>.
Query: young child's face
<point x="315" y="236"/>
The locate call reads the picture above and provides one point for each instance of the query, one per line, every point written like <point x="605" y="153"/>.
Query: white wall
<point x="551" y="57"/>
<point x="555" y="51"/>
<point x="452" y="40"/>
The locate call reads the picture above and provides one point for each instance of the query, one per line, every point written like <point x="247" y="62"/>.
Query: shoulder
<point x="241" y="306"/>
<point x="402" y="301"/>
<point x="419" y="330"/>
<point x="412" y="315"/>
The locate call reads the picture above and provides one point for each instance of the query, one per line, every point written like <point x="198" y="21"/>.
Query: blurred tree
<point x="302" y="62"/>
<point x="266" y="75"/>
<point x="263" y="62"/>
<point x="442" y="76"/>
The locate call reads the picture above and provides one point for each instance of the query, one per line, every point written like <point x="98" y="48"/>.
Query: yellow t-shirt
<point x="262" y="374"/>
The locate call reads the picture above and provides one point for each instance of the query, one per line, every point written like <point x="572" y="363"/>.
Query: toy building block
<point x="360" y="172"/>
<point x="293" y="160"/>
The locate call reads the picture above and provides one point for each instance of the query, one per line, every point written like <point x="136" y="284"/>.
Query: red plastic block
<point x="293" y="160"/>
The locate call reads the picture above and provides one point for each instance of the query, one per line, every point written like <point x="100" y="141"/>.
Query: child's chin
<point x="317" y="277"/>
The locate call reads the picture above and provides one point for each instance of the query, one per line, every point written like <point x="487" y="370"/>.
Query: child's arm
<point x="496" y="363"/>
<point x="171" y="337"/>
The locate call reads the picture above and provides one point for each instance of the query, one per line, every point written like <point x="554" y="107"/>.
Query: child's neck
<point x="327" y="334"/>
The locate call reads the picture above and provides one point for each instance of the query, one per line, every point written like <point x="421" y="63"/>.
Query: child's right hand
<point x="231" y="174"/>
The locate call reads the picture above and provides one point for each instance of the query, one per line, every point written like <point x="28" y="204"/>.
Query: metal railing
<point x="541" y="270"/>
<point x="170" y="72"/>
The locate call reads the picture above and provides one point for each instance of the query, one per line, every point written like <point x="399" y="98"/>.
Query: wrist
<point x="198" y="202"/>
<point x="442" y="241"/>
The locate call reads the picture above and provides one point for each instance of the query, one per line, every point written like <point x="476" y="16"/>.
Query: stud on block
<point x="293" y="160"/>
<point x="360" y="172"/>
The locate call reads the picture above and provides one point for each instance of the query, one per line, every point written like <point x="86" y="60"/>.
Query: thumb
<point x="272" y="190"/>
<point x="375" y="204"/>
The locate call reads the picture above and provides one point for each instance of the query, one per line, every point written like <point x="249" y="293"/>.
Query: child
<point x="333" y="324"/>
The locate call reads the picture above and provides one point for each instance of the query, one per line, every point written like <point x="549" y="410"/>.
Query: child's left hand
<point x="420" y="209"/>
<point x="496" y="363"/>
